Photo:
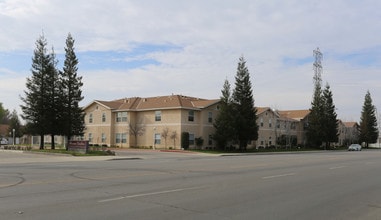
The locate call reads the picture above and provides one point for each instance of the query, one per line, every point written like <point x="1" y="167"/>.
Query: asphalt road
<point x="163" y="185"/>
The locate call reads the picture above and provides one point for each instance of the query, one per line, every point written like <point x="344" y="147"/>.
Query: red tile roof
<point x="294" y="114"/>
<point x="286" y="114"/>
<point x="260" y="110"/>
<point x="159" y="102"/>
<point x="350" y="124"/>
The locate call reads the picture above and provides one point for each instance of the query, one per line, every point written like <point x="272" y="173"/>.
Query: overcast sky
<point x="151" y="48"/>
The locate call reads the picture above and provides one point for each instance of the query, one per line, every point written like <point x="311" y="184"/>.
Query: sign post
<point x="79" y="146"/>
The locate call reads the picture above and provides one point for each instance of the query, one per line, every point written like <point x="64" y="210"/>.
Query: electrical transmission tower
<point x="318" y="68"/>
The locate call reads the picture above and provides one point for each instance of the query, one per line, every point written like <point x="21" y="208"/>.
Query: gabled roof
<point x="350" y="124"/>
<point x="159" y="102"/>
<point x="260" y="110"/>
<point x="294" y="114"/>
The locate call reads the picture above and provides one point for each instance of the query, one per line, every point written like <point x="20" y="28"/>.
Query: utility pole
<point x="318" y="68"/>
<point x="315" y="133"/>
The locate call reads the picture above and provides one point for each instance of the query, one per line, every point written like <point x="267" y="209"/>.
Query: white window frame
<point x="210" y="117"/>
<point x="90" y="137"/>
<point x="157" y="138"/>
<point x="191" y="139"/>
<point x="121" y="138"/>
<point x="191" y="115"/>
<point x="121" y="117"/>
<point x="157" y="115"/>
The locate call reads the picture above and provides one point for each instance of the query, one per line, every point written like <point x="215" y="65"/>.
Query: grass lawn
<point x="74" y="153"/>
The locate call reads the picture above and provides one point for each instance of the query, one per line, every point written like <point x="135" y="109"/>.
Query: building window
<point x="91" y="118"/>
<point x="210" y="117"/>
<point x="293" y="125"/>
<point x="124" y="138"/>
<point x="157" y="138"/>
<point x="121" y="116"/>
<point x="103" y="117"/>
<point x="90" y="137"/>
<point x="157" y="115"/>
<point x="120" y="138"/>
<point x="103" y="137"/>
<point x="261" y="120"/>
<point x="191" y="139"/>
<point x="210" y="140"/>
<point x="270" y="123"/>
<point x="191" y="115"/>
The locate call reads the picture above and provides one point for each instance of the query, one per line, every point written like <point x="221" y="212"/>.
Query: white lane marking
<point x="148" y="194"/>
<point x="280" y="175"/>
<point x="339" y="167"/>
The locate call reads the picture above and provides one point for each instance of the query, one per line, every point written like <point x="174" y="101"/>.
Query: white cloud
<point x="209" y="37"/>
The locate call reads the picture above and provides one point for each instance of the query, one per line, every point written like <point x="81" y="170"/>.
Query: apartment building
<point x="158" y="122"/>
<point x="155" y="122"/>
<point x="349" y="133"/>
<point x="285" y="128"/>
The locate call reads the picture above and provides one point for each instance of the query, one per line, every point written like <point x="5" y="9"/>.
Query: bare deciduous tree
<point x="136" y="129"/>
<point x="165" y="134"/>
<point x="174" y="137"/>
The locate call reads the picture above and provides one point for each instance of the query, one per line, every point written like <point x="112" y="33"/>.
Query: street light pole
<point x="13" y="137"/>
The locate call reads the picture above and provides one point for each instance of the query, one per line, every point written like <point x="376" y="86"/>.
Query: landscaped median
<point x="90" y="152"/>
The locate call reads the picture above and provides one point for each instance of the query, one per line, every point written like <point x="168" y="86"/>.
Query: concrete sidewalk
<point x="18" y="156"/>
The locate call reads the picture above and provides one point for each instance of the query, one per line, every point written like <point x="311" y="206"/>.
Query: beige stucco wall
<point x="267" y="135"/>
<point x="175" y="120"/>
<point x="97" y="127"/>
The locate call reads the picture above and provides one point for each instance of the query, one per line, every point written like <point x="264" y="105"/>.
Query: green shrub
<point x="185" y="140"/>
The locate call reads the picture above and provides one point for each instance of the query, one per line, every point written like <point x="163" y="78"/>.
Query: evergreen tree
<point x="73" y="118"/>
<point x="315" y="122"/>
<point x="14" y="123"/>
<point x="4" y="115"/>
<point x="243" y="104"/>
<point x="315" y="131"/>
<point x="368" y="122"/>
<point x="36" y="100"/>
<point x="224" y="128"/>
<point x="330" y="126"/>
<point x="53" y="93"/>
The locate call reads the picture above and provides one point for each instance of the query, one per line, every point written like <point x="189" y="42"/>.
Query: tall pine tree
<point x="36" y="100"/>
<point x="224" y="128"/>
<point x="315" y="119"/>
<point x="14" y="123"/>
<point x="315" y="122"/>
<point x="243" y="104"/>
<point x="368" y="122"/>
<point x="330" y="126"/>
<point x="53" y="93"/>
<point x="73" y="118"/>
